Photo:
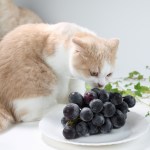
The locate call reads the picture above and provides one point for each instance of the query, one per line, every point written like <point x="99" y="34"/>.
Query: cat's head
<point x="93" y="58"/>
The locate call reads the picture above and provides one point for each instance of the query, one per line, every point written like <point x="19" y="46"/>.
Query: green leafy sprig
<point x="134" y="84"/>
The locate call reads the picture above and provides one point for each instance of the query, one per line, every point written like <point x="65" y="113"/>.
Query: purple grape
<point x="92" y="128"/>
<point x="108" y="109"/>
<point x="118" y="120"/>
<point x="76" y="98"/>
<point x="81" y="129"/>
<point x="96" y="105"/>
<point x="123" y="107"/>
<point x="71" y="111"/>
<point x="98" y="120"/>
<point x="89" y="96"/>
<point x="103" y="96"/>
<point x="97" y="91"/>
<point x="115" y="98"/>
<point x="69" y="132"/>
<point x="86" y="114"/>
<point x="106" y="127"/>
<point x="130" y="100"/>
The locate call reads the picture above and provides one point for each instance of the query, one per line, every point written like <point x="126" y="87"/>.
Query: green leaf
<point x="141" y="89"/>
<point x="133" y="73"/>
<point x="140" y="77"/>
<point x="116" y="83"/>
<point x="138" y="93"/>
<point x="144" y="89"/>
<point x="115" y="90"/>
<point x="108" y="87"/>
<point x="128" y="92"/>
<point x="137" y="86"/>
<point x="127" y="85"/>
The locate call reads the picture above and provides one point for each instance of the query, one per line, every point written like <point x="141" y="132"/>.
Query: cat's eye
<point x="110" y="74"/>
<point x="94" y="74"/>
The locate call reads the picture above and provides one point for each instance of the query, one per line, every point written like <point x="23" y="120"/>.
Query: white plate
<point x="136" y="126"/>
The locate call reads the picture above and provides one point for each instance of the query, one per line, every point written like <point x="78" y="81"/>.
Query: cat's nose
<point x="100" y="85"/>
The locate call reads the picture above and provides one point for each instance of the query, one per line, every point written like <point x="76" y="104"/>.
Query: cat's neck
<point x="59" y="61"/>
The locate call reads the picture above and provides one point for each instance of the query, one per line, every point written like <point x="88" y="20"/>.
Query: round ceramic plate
<point x="136" y="126"/>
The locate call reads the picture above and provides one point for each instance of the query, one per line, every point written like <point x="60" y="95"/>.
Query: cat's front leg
<point x="77" y="86"/>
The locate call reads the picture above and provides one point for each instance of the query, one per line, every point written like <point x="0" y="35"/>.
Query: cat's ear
<point x="81" y="47"/>
<point x="113" y="44"/>
<point x="79" y="43"/>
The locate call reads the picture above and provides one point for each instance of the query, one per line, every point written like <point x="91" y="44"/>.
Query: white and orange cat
<point x="41" y="64"/>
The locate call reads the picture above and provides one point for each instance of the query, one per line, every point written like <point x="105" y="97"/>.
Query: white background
<point x="129" y="20"/>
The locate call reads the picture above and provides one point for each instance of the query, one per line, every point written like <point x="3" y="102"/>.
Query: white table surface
<point x="26" y="136"/>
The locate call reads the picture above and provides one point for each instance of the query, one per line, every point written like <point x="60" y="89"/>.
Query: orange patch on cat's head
<point x="91" y="54"/>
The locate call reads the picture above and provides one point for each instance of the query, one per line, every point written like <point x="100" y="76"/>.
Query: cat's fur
<point x="40" y="64"/>
<point x="12" y="16"/>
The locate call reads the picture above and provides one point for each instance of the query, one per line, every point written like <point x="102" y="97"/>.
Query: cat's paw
<point x="5" y="120"/>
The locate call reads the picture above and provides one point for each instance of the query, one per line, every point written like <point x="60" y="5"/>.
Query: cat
<point x="40" y="64"/>
<point x="12" y="16"/>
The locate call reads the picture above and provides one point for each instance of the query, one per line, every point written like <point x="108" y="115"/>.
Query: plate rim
<point x="95" y="144"/>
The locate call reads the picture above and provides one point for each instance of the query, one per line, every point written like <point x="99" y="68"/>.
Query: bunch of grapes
<point x="96" y="112"/>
